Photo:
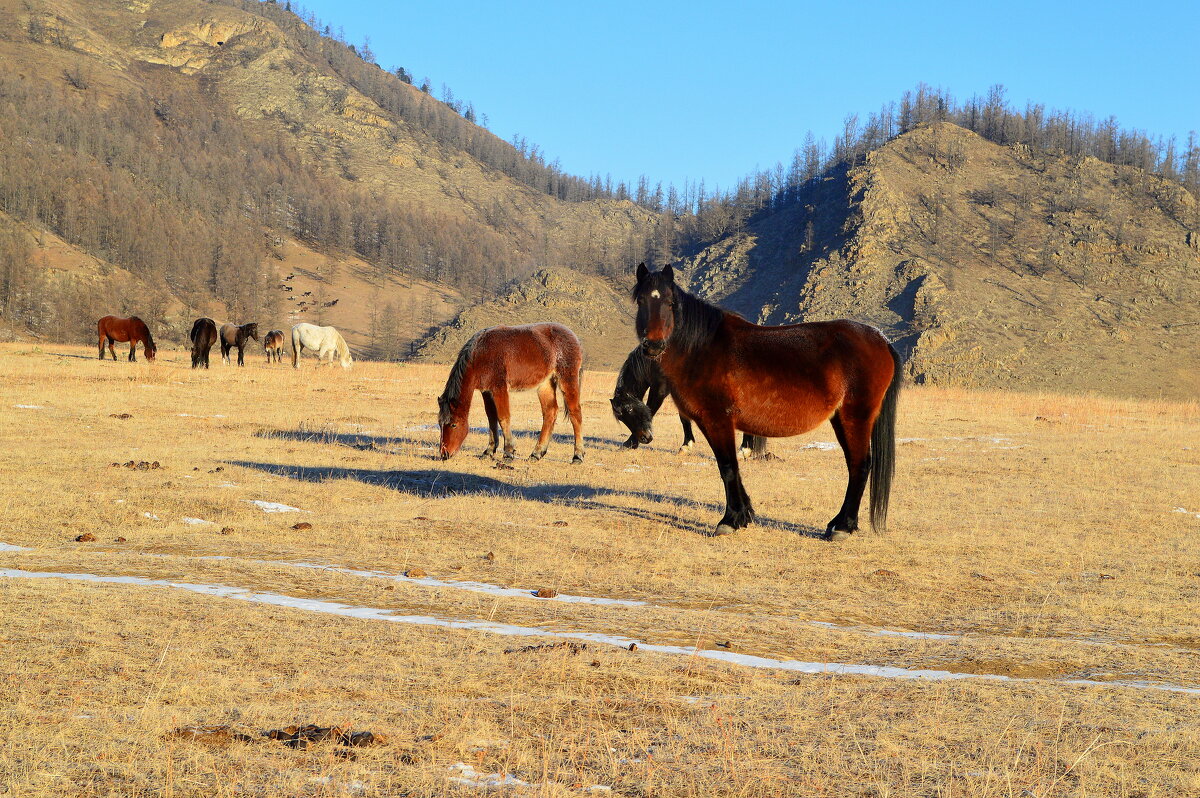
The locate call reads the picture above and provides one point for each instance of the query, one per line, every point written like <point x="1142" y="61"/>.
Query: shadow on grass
<point x="364" y="441"/>
<point x="436" y="483"/>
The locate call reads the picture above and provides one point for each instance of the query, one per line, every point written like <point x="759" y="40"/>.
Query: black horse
<point x="640" y="375"/>
<point x="234" y="335"/>
<point x="203" y="336"/>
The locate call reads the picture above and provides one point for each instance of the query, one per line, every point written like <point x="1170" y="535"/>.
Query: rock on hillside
<point x="989" y="265"/>
<point x="601" y="317"/>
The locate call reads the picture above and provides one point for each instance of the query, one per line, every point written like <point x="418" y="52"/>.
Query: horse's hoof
<point x="535" y="456"/>
<point x="834" y="535"/>
<point x="577" y="459"/>
<point x="722" y="530"/>
<point x="510" y="455"/>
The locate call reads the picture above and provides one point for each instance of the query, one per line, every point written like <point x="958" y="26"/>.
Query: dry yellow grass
<point x="1046" y="538"/>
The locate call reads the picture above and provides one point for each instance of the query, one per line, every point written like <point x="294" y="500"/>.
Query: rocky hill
<point x="990" y="266"/>
<point x="599" y="315"/>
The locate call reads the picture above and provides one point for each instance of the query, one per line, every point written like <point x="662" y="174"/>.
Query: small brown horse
<point x="116" y="329"/>
<point x="234" y="335"/>
<point x="273" y="344"/>
<point x="543" y="356"/>
<point x="202" y="336"/>
<point x="728" y="374"/>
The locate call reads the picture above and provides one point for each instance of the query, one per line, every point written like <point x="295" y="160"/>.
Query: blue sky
<point x="692" y="90"/>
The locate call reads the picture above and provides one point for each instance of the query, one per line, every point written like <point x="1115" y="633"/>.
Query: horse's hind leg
<point x="101" y="347"/>
<point x="547" y="395"/>
<point x="500" y="398"/>
<point x="112" y="348"/>
<point x="489" y="407"/>
<point x="853" y="432"/>
<point x="570" y="391"/>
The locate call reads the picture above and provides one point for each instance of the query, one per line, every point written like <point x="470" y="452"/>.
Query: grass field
<point x="1028" y="625"/>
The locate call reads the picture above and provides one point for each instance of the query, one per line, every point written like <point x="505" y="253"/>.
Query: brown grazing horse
<point x="543" y="356"/>
<point x="273" y="344"/>
<point x="233" y="335"/>
<point x="727" y="374"/>
<point x="116" y="329"/>
<point x="202" y="336"/>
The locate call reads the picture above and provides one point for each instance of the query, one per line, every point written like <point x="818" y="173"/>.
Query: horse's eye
<point x="453" y="424"/>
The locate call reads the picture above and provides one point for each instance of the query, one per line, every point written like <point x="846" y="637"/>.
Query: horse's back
<point x="527" y="354"/>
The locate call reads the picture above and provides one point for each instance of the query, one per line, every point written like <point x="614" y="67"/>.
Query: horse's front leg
<point x="549" y="400"/>
<point x="689" y="437"/>
<point x="500" y="397"/>
<point x="738" y="510"/>
<point x="132" y="351"/>
<point x="241" y="353"/>
<point x="489" y="407"/>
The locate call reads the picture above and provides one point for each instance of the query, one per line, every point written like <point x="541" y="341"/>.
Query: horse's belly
<point x="792" y="413"/>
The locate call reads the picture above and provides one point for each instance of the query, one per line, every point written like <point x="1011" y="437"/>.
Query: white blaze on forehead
<point x="655" y="295"/>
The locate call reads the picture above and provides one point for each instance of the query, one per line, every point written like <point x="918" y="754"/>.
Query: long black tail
<point x="883" y="448"/>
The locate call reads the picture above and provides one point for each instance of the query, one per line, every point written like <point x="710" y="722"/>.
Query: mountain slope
<point x="166" y="138"/>
<point x="989" y="265"/>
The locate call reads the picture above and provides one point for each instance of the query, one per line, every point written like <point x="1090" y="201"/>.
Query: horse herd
<point x="725" y="375"/>
<point x="327" y="342"/>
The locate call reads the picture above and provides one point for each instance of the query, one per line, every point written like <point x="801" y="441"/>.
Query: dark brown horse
<point x="203" y="336"/>
<point x="728" y="374"/>
<point x="273" y="344"/>
<point x="115" y="329"/>
<point x="234" y="335"/>
<point x="499" y="359"/>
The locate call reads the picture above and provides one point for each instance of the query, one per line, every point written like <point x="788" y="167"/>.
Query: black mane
<point x="696" y="321"/>
<point x="636" y="375"/>
<point x="458" y="373"/>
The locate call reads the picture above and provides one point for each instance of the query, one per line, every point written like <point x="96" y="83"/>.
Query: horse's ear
<point x="668" y="272"/>
<point x="641" y="272"/>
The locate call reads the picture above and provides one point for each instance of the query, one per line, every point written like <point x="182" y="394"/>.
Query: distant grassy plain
<point x="1046" y="539"/>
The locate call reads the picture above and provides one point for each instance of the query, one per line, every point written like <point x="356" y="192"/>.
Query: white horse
<point x="322" y="340"/>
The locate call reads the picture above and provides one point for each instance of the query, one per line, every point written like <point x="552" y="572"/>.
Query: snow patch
<point x="273" y="507"/>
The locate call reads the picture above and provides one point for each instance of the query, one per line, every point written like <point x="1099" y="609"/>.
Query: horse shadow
<point x="365" y="442"/>
<point x="439" y="483"/>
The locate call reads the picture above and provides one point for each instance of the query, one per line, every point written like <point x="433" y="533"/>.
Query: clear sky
<point x="688" y="90"/>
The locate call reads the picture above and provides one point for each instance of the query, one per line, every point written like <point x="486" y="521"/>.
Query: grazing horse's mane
<point x="149" y="337"/>
<point x="458" y="373"/>
<point x="340" y="342"/>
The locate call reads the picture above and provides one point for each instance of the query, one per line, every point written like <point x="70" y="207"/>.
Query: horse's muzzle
<point x="645" y="437"/>
<point x="653" y="349"/>
<point x="445" y="453"/>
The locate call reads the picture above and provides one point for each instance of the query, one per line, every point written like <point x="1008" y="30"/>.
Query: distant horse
<point x="325" y="341"/>
<point x="494" y="361"/>
<point x="203" y="336"/>
<point x="116" y="329"/>
<point x="273" y="344"/>
<point x="727" y="374"/>
<point x="234" y="335"/>
<point x="640" y="375"/>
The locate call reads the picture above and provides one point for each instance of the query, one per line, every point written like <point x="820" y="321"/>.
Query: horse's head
<point x="634" y="413"/>
<point x="347" y="361"/>
<point x="149" y="350"/>
<point x="656" y="305"/>
<point x="454" y="426"/>
<point x="251" y="330"/>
